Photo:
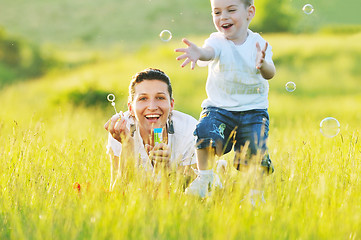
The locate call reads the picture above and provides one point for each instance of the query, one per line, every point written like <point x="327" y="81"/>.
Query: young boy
<point x="235" y="112"/>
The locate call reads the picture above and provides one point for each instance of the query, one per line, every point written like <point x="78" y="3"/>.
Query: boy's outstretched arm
<point x="267" y="70"/>
<point x="193" y="53"/>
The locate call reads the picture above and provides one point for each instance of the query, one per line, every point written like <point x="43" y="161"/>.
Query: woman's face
<point x="151" y="105"/>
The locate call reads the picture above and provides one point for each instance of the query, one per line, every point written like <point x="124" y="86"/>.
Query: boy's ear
<point x="251" y="12"/>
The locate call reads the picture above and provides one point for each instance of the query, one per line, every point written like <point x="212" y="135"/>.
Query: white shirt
<point x="233" y="81"/>
<point x="181" y="143"/>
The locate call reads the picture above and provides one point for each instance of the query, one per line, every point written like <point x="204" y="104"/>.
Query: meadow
<point x="51" y="140"/>
<point x="54" y="175"/>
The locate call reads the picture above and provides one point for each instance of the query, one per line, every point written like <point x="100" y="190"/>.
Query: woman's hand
<point x="159" y="154"/>
<point x="116" y="126"/>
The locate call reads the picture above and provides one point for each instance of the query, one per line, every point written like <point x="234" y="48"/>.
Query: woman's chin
<point x="155" y="123"/>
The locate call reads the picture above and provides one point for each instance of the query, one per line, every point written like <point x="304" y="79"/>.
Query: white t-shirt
<point x="182" y="142"/>
<point x="233" y="81"/>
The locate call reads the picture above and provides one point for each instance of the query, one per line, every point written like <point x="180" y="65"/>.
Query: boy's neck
<point x="240" y="39"/>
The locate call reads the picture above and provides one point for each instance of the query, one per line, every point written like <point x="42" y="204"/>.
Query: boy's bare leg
<point x="205" y="158"/>
<point x="253" y="175"/>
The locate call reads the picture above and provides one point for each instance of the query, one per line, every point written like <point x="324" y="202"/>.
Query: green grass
<point x="103" y="24"/>
<point x="48" y="142"/>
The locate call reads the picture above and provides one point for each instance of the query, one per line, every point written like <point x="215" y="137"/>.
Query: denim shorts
<point x="222" y="128"/>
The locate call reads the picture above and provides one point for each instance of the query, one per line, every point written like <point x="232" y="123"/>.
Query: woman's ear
<point x="130" y="109"/>
<point x="172" y="104"/>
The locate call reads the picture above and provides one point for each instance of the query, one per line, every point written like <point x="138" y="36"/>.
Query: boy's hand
<point x="261" y="53"/>
<point x="192" y="53"/>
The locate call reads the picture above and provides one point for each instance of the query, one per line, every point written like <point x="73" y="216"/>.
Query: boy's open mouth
<point x="226" y="25"/>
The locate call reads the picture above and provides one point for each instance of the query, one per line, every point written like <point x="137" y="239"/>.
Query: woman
<point x="150" y="105"/>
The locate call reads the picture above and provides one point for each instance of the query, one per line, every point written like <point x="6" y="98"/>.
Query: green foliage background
<point x="51" y="125"/>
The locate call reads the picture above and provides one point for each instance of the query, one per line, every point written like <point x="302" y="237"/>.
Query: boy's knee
<point x="243" y="162"/>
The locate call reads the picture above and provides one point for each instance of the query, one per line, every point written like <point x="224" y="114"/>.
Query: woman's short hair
<point x="149" y="74"/>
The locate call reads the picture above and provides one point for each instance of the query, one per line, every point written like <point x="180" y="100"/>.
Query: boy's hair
<point x="247" y="3"/>
<point x="149" y="74"/>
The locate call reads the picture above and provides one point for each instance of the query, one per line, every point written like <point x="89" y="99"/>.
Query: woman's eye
<point x="142" y="99"/>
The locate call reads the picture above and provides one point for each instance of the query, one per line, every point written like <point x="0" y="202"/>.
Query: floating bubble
<point x="165" y="35"/>
<point x="329" y="127"/>
<point x="308" y="9"/>
<point x="290" y="86"/>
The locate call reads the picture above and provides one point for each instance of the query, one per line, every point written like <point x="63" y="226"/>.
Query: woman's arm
<point x="114" y="168"/>
<point x="119" y="165"/>
<point x="120" y="139"/>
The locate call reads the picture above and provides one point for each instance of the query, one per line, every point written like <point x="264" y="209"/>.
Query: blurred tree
<point x="273" y="16"/>
<point x="20" y="59"/>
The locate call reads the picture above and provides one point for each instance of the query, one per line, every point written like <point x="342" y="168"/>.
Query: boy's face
<point x="232" y="18"/>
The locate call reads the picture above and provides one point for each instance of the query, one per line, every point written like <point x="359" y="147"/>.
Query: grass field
<point x="103" y="23"/>
<point x="52" y="136"/>
<point x="51" y="139"/>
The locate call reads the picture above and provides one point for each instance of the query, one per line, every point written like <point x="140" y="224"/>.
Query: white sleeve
<point x="114" y="145"/>
<point x="185" y="141"/>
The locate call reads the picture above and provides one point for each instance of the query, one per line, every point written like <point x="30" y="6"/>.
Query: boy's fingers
<point x="180" y="49"/>
<point x="186" y="62"/>
<point x="187" y="42"/>
<point x="258" y="46"/>
<point x="265" y="46"/>
<point x="181" y="57"/>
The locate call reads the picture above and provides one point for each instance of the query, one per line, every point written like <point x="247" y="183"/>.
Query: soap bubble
<point x="290" y="86"/>
<point x="165" y="35"/>
<point x="308" y="9"/>
<point x="329" y="127"/>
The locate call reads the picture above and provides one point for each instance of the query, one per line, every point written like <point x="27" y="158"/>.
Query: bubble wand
<point x="111" y="99"/>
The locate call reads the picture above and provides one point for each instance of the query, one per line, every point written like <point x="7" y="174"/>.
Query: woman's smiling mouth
<point x="152" y="117"/>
